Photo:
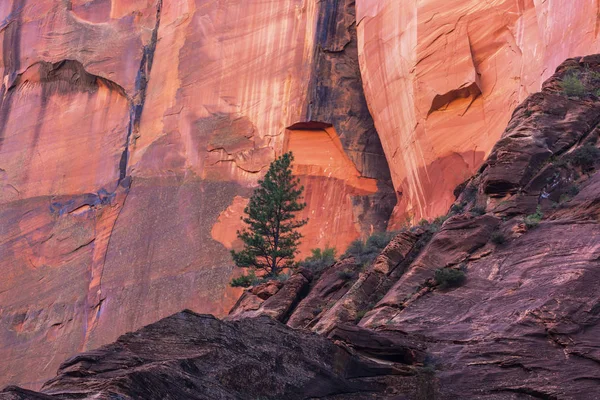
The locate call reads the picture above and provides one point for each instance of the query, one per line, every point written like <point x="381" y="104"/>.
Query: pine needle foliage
<point x="271" y="239"/>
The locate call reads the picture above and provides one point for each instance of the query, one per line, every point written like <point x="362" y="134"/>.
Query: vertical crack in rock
<point x="336" y="95"/>
<point x="139" y="96"/>
<point x="11" y="56"/>
<point x="135" y="113"/>
<point x="95" y="298"/>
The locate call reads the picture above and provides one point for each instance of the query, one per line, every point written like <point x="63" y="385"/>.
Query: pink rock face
<point x="443" y="78"/>
<point x="132" y="133"/>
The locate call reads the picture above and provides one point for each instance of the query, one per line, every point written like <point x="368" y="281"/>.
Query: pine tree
<point x="271" y="238"/>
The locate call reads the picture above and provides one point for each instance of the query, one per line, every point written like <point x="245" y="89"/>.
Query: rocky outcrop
<point x="372" y="284"/>
<point x="267" y="300"/>
<point x="442" y="79"/>
<point x="199" y="357"/>
<point x="330" y="286"/>
<point x="523" y="236"/>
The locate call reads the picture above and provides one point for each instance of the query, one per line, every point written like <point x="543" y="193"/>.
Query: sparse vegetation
<point x="366" y="251"/>
<point x="458" y="208"/>
<point x="585" y="157"/>
<point x="440" y="220"/>
<point x="449" y="277"/>
<point x="533" y="220"/>
<point x="498" y="238"/>
<point x="478" y="210"/>
<point x="346" y="274"/>
<point x="320" y="259"/>
<point x="360" y="315"/>
<point x="571" y="192"/>
<point x="245" y="280"/>
<point x="572" y="86"/>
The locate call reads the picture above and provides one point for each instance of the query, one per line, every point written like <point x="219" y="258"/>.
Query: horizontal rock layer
<point x="200" y="357"/>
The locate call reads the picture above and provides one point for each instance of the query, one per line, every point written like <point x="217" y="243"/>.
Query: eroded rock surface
<point x="443" y="78"/>
<point x="132" y="134"/>
<point x="525" y="232"/>
<point x="192" y="356"/>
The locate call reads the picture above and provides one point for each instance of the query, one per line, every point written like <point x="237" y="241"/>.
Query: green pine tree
<point x="271" y="238"/>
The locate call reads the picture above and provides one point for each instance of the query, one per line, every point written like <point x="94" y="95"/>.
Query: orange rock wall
<point x="442" y="79"/>
<point x="131" y="134"/>
<point x="133" y="131"/>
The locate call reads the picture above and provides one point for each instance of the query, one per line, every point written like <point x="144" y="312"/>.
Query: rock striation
<point x="525" y="234"/>
<point x="192" y="356"/>
<point x="522" y="322"/>
<point x="132" y="134"/>
<point x="442" y="82"/>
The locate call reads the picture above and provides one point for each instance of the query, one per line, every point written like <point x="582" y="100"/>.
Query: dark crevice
<point x="139" y="97"/>
<point x="530" y="392"/>
<point x="336" y="95"/>
<point x="11" y="56"/>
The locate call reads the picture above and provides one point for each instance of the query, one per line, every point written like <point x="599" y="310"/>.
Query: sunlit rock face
<point x="132" y="133"/>
<point x="443" y="78"/>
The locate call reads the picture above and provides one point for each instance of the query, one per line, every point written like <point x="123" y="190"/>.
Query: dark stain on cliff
<point x="336" y="96"/>
<point x="11" y="57"/>
<point x="139" y="97"/>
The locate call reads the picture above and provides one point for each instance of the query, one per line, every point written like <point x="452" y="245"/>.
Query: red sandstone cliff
<point x="131" y="133"/>
<point x="523" y="322"/>
<point x="443" y="78"/>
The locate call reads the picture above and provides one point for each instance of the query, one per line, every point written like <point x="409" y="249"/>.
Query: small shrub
<point x="533" y="220"/>
<point x="281" y="277"/>
<point x="560" y="162"/>
<point x="366" y="252"/>
<point x="439" y="221"/>
<point x="478" y="210"/>
<point x="346" y="274"/>
<point x="568" y="195"/>
<point x="573" y="190"/>
<point x="585" y="157"/>
<point x="360" y="315"/>
<point x="245" y="280"/>
<point x="595" y="76"/>
<point x="498" y="237"/>
<point x="449" y="277"/>
<point x="457" y="208"/>
<point x="320" y="259"/>
<point x="528" y="113"/>
<point x="572" y="86"/>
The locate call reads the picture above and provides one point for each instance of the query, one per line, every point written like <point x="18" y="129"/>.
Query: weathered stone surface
<point x="332" y="284"/>
<point x="191" y="356"/>
<point x="459" y="237"/>
<point x="390" y="345"/>
<point x="443" y="78"/>
<point x="132" y="133"/>
<point x="16" y="393"/>
<point x="546" y="125"/>
<point x="525" y="323"/>
<point x="372" y="284"/>
<point x="277" y="306"/>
